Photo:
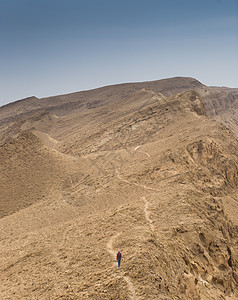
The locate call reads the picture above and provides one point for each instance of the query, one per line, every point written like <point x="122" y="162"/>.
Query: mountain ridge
<point x="149" y="173"/>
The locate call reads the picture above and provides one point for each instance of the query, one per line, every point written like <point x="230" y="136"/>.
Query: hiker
<point x="119" y="258"/>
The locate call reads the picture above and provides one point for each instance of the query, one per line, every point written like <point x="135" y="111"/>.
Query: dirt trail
<point x="137" y="184"/>
<point x="147" y="215"/>
<point x="110" y="245"/>
<point x="138" y="147"/>
<point x="131" y="288"/>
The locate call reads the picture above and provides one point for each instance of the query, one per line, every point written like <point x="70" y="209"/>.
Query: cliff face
<point x="142" y="168"/>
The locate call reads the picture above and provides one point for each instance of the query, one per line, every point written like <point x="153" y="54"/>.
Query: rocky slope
<point x="145" y="168"/>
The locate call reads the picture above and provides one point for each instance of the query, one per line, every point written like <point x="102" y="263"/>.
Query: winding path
<point x="130" y="286"/>
<point x="147" y="215"/>
<point x="138" y="147"/>
<point x="137" y="184"/>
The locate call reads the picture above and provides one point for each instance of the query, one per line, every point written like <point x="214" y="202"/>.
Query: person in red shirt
<point x="119" y="258"/>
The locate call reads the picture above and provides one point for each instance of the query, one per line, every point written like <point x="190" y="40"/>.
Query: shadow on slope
<point x="29" y="170"/>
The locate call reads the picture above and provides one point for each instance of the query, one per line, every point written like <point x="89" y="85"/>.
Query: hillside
<point x="149" y="169"/>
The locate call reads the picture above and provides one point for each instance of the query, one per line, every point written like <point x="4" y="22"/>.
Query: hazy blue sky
<point x="50" y="47"/>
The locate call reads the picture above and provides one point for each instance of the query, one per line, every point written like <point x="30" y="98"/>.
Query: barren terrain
<point x="150" y="169"/>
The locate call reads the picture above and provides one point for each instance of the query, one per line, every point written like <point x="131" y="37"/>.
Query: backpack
<point x="119" y="255"/>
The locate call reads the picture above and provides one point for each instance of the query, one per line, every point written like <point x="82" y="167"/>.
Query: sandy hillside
<point x="150" y="169"/>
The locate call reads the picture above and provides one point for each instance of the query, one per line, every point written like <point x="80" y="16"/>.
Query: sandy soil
<point x="150" y="169"/>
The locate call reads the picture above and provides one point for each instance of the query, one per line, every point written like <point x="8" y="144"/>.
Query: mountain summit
<point x="148" y="169"/>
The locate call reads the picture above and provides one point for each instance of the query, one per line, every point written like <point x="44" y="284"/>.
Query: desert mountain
<point x="150" y="169"/>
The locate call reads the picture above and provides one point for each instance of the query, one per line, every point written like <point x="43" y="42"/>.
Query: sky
<point x="52" y="47"/>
